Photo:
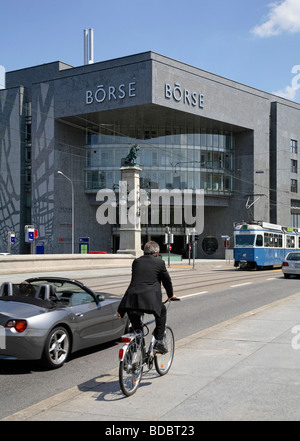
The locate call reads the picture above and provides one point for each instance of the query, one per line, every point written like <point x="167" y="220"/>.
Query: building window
<point x="294" y="185"/>
<point x="294" y="166"/>
<point x="295" y="214"/>
<point x="295" y="217"/>
<point x="170" y="157"/>
<point x="209" y="245"/>
<point x="294" y="146"/>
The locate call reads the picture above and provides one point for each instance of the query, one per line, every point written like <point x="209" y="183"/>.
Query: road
<point x="209" y="297"/>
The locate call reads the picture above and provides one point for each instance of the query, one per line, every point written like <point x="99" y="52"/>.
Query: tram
<point x="263" y="245"/>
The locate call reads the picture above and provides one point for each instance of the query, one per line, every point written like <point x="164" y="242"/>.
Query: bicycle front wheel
<point x="163" y="361"/>
<point x="131" y="370"/>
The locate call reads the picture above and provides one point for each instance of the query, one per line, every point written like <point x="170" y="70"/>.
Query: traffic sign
<point x="29" y="233"/>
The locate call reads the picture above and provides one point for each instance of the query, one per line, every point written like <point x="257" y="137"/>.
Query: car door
<point x="93" y="321"/>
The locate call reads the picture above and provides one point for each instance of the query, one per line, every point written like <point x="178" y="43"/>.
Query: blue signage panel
<point x="84" y="239"/>
<point x="30" y="236"/>
<point x="84" y="245"/>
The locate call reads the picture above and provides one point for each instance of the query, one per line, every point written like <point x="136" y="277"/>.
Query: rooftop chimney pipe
<point x="88" y="42"/>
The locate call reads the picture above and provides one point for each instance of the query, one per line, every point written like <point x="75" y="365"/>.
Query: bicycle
<point x="134" y="357"/>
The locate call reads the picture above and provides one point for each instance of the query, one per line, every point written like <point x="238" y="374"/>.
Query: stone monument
<point x="129" y="205"/>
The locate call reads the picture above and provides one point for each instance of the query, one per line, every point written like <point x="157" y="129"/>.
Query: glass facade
<point x="173" y="157"/>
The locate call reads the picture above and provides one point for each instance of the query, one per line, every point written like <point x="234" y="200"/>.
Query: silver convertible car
<point x="48" y="318"/>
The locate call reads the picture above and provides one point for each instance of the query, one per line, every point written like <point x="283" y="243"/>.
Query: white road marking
<point x="241" y="284"/>
<point x="194" y="294"/>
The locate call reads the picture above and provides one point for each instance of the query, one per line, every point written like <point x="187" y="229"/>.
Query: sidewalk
<point x="203" y="264"/>
<point x="247" y="368"/>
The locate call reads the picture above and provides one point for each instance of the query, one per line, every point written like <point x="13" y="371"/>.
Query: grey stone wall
<point x="287" y="128"/>
<point x="11" y="167"/>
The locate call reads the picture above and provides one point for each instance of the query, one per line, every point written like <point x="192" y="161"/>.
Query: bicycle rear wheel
<point x="131" y="370"/>
<point x="163" y="361"/>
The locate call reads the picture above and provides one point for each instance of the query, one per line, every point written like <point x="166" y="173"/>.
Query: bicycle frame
<point x="133" y="357"/>
<point x="131" y="336"/>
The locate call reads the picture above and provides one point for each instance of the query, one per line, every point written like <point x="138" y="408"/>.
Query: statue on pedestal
<point x="131" y="158"/>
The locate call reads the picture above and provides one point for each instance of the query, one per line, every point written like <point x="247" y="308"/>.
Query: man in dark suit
<point x="144" y="292"/>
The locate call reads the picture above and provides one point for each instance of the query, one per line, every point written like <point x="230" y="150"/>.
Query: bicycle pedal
<point x="150" y="363"/>
<point x="160" y="348"/>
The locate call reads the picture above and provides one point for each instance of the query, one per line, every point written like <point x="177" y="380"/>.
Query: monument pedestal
<point x="130" y="222"/>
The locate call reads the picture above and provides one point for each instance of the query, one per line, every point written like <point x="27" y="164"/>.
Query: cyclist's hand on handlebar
<point x="173" y="299"/>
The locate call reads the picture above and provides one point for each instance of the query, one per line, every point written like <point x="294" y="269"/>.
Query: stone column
<point x="129" y="211"/>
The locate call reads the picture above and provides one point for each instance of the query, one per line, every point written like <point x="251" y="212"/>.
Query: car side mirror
<point x="100" y="297"/>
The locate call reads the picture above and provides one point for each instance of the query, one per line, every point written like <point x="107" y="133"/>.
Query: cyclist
<point x="144" y="294"/>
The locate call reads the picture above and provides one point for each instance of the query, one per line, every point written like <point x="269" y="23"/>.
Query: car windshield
<point x="293" y="256"/>
<point x="67" y="292"/>
<point x="244" y="240"/>
<point x="61" y="286"/>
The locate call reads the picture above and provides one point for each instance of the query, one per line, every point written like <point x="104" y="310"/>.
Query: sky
<point x="254" y="42"/>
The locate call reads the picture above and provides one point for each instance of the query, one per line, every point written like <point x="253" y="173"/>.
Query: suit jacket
<point x="144" y="292"/>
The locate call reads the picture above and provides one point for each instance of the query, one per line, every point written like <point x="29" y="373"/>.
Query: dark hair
<point x="151" y="248"/>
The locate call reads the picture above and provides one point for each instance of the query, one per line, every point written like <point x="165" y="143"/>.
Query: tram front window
<point x="246" y="240"/>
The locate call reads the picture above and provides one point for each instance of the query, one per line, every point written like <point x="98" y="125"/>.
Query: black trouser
<point x="160" y="321"/>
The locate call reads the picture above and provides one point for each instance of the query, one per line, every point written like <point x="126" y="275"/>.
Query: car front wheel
<point x="57" y="347"/>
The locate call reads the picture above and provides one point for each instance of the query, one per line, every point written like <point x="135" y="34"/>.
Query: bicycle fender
<point x="122" y="351"/>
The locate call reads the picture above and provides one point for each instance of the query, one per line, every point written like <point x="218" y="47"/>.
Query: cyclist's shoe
<point x="159" y="346"/>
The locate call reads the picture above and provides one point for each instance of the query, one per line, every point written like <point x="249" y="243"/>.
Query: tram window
<point x="244" y="240"/>
<point x="290" y="241"/>
<point x="271" y="240"/>
<point x="277" y="240"/>
<point x="266" y="240"/>
<point x="259" y="240"/>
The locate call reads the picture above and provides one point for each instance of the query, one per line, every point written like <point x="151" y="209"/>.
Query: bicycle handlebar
<point x="175" y="299"/>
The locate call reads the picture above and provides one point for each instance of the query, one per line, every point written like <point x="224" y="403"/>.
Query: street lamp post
<point x="72" y="187"/>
